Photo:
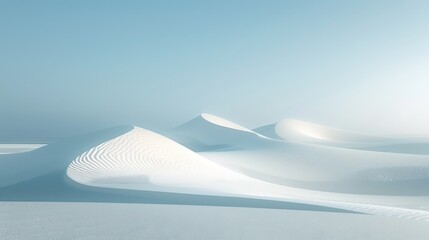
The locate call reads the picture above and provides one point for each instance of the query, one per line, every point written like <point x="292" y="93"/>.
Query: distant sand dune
<point x="301" y="131"/>
<point x="232" y="162"/>
<point x="292" y="130"/>
<point x="18" y="148"/>
<point x="209" y="133"/>
<point x="143" y="160"/>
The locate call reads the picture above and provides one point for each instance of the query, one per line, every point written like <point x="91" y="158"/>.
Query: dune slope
<point x="208" y="132"/>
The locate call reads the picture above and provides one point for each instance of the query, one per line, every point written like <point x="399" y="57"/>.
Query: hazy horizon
<point x="72" y="67"/>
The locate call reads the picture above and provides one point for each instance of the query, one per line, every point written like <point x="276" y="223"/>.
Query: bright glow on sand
<point x="223" y="122"/>
<point x="306" y="129"/>
<point x="301" y="131"/>
<point x="143" y="160"/>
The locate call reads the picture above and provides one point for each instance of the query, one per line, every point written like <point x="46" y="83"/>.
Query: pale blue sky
<point x="68" y="67"/>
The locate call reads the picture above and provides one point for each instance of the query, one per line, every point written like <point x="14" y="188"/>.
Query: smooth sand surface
<point x="107" y="221"/>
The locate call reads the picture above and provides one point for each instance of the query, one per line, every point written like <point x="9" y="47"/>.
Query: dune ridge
<point x="132" y="158"/>
<point x="141" y="158"/>
<point x="127" y="162"/>
<point x="208" y="132"/>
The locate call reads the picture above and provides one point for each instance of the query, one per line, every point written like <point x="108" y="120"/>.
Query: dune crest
<point x="141" y="159"/>
<point x="301" y="131"/>
<point x="144" y="160"/>
<point x="208" y="132"/>
<point x="129" y="161"/>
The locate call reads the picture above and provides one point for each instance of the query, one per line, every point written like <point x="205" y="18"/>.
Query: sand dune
<point x="208" y="132"/>
<point x="230" y="163"/>
<point x="292" y="130"/>
<point x="18" y="148"/>
<point x="19" y="167"/>
<point x="42" y="175"/>
<point x="301" y="131"/>
<point x="144" y="160"/>
<point x="331" y="169"/>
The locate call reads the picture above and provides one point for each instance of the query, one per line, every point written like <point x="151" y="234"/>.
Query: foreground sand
<point x="96" y="221"/>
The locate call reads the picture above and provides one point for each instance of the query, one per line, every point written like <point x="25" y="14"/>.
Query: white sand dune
<point x="301" y="131"/>
<point x="208" y="132"/>
<point x="292" y="130"/>
<point x="19" y="167"/>
<point x="18" y="148"/>
<point x="143" y="160"/>
<point x="331" y="169"/>
<point x="138" y="159"/>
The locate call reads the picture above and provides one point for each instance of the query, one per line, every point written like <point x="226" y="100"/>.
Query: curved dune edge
<point x="297" y="131"/>
<point x="208" y="132"/>
<point x="223" y="122"/>
<point x="306" y="131"/>
<point x="19" y="148"/>
<point x="302" y="131"/>
<point x="54" y="157"/>
<point x="292" y="130"/>
<point x="331" y="169"/>
<point x="143" y="160"/>
<point x="205" y="121"/>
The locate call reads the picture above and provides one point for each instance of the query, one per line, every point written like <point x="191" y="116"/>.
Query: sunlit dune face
<point x="286" y="127"/>
<point x="141" y="156"/>
<point x="223" y="122"/>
